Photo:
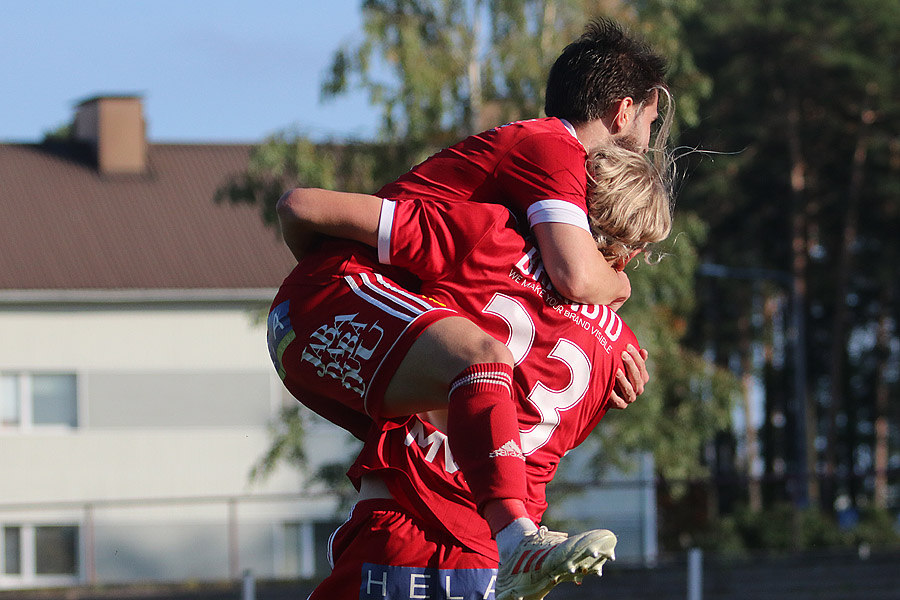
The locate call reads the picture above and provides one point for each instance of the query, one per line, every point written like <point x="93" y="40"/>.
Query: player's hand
<point x="630" y="382"/>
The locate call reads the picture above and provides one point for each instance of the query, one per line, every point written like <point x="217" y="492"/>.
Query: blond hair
<point x="629" y="201"/>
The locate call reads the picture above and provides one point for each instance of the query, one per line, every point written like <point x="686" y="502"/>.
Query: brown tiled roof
<point x="64" y="226"/>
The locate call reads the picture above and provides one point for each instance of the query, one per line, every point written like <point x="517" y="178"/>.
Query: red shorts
<point x="384" y="553"/>
<point x="344" y="338"/>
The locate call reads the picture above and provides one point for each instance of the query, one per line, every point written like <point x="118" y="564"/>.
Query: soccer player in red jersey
<point x="417" y="525"/>
<point x="604" y="86"/>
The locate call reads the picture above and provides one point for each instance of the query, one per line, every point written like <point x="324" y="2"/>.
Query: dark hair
<point x="598" y="69"/>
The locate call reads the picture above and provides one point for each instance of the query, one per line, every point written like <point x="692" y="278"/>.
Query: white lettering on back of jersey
<point x="434" y="441"/>
<point x="532" y="267"/>
<point x="519" y="322"/>
<point x="551" y="403"/>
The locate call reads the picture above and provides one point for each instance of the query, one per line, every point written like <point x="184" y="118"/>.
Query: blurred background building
<point x="135" y="386"/>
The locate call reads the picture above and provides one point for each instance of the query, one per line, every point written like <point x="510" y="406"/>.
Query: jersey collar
<point x="571" y="130"/>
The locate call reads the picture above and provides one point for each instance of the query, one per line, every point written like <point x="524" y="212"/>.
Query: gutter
<point x="136" y="296"/>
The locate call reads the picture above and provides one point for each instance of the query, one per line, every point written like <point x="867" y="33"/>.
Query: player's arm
<point x="577" y="270"/>
<point x="545" y="176"/>
<point x="427" y="248"/>
<point x="305" y="212"/>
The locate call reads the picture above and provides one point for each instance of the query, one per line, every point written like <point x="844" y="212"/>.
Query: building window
<point x="56" y="550"/>
<point x="29" y="553"/>
<point x="303" y="550"/>
<point x="38" y="399"/>
<point x="12" y="550"/>
<point x="10" y="403"/>
<point x="54" y="399"/>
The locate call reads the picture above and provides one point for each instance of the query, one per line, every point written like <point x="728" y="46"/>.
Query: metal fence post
<point x="234" y="556"/>
<point x="695" y="574"/>
<point x="248" y="590"/>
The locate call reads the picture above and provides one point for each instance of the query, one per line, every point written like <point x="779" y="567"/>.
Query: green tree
<point x="283" y="161"/>
<point x="288" y="443"/>
<point x="443" y="69"/>
<point x="806" y="98"/>
<point x="290" y="159"/>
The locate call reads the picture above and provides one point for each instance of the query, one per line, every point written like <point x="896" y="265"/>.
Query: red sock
<point x="483" y="427"/>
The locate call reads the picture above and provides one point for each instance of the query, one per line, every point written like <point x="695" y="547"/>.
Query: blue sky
<point x="209" y="70"/>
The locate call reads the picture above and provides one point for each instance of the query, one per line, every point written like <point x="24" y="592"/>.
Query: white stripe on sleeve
<point x="557" y="211"/>
<point x="385" y="225"/>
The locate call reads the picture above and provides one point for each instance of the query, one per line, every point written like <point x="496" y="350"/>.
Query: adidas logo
<point x="510" y="448"/>
<point x="531" y="560"/>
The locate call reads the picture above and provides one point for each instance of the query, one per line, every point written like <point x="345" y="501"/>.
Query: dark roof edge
<point x="135" y="296"/>
<point x="116" y="96"/>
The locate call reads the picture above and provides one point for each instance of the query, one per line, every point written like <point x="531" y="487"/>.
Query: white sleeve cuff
<point x="385" y="225"/>
<point x="557" y="211"/>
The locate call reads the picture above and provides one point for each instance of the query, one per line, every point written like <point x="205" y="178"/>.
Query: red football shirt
<point x="473" y="259"/>
<point x="537" y="168"/>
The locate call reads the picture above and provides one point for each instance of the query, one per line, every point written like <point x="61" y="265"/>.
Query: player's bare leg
<point x="447" y="347"/>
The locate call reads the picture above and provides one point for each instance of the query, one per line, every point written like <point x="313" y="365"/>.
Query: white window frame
<point x="25" y="386"/>
<point x="28" y="577"/>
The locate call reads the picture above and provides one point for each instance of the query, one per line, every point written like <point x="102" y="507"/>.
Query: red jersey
<point x="536" y="168"/>
<point x="474" y="260"/>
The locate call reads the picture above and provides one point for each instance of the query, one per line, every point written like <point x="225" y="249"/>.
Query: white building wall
<point x="132" y="337"/>
<point x="148" y="483"/>
<point x="83" y="466"/>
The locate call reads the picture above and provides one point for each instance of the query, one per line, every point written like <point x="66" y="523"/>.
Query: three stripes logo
<point x="531" y="560"/>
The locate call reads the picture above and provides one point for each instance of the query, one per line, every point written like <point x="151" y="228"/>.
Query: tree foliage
<point x="688" y="400"/>
<point x="438" y="67"/>
<point x="290" y="159"/>
<point x="283" y="161"/>
<point x="443" y="69"/>
<point x="288" y="443"/>
<point x="806" y="98"/>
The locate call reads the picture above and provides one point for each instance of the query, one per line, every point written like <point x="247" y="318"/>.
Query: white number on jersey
<point x="549" y="402"/>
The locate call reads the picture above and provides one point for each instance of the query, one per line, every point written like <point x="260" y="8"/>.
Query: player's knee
<point x="486" y="349"/>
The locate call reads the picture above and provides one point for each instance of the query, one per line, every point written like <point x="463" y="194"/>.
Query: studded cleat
<point x="545" y="558"/>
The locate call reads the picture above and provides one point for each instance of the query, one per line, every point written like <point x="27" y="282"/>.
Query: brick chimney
<point x="114" y="125"/>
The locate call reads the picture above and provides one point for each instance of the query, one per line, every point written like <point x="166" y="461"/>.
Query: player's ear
<point x="624" y="113"/>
